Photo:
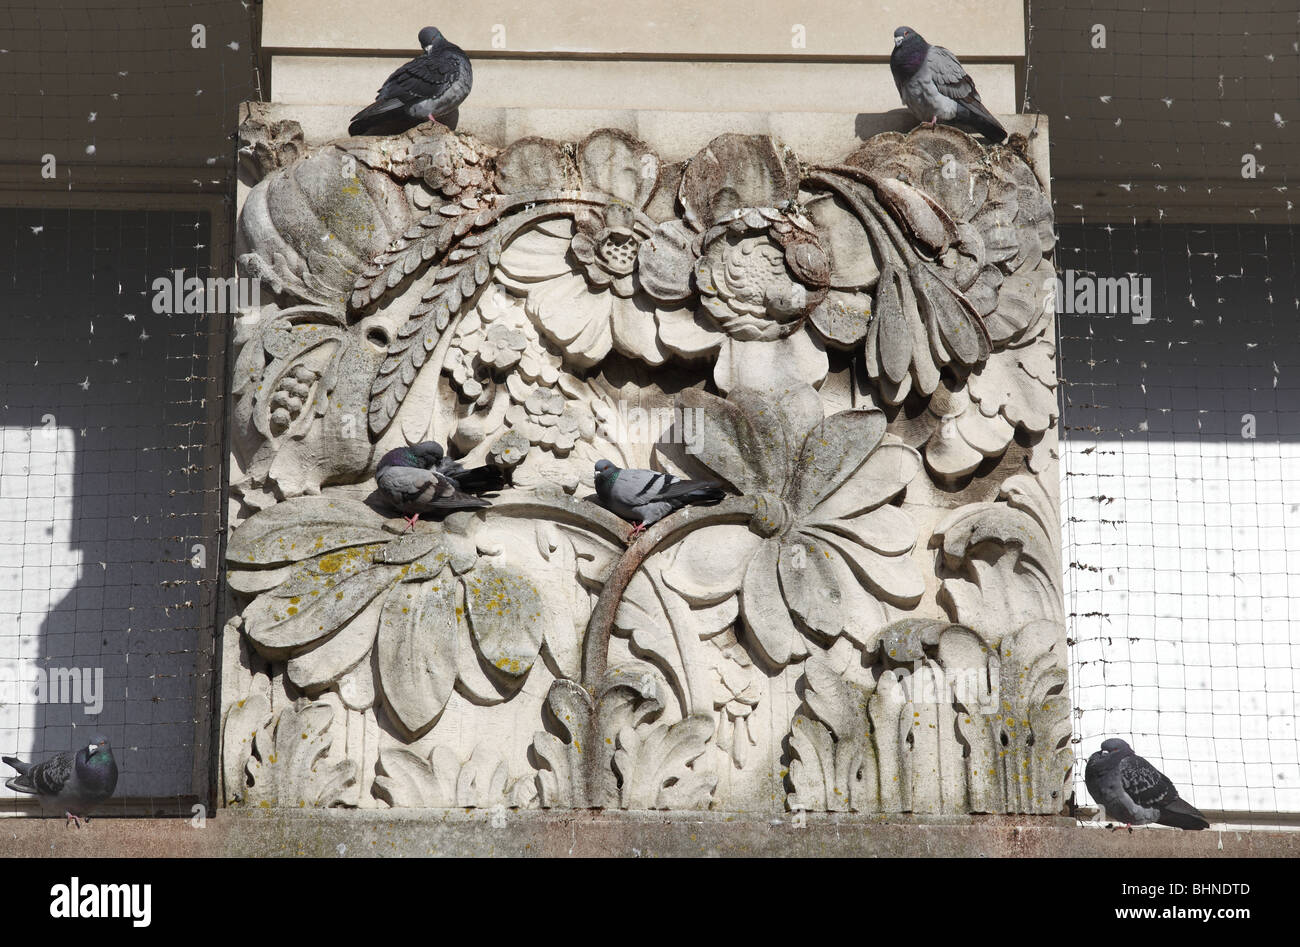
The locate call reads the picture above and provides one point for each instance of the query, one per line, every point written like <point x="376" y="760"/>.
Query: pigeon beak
<point x="898" y="40"/>
<point x="92" y="748"/>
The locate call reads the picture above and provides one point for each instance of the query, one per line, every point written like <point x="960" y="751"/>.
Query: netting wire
<point x="117" y="172"/>
<point x="1180" y="425"/>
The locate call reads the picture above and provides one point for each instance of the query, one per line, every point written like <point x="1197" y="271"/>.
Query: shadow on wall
<point x="1216" y="354"/>
<point x="102" y="420"/>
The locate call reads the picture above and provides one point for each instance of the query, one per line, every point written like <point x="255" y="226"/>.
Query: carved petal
<point x="852" y="256"/>
<point x="843" y="318"/>
<point x="737" y="443"/>
<point x="882" y="476"/>
<point x="417" y="661"/>
<point x="535" y="164"/>
<point x="735" y="171"/>
<point x="635" y="331"/>
<point x="686" y="332"/>
<point x="709" y="565"/>
<point x="539" y="252"/>
<point x="666" y="261"/>
<point x="831" y="452"/>
<point x="886" y="529"/>
<point x="797" y="359"/>
<point x="615" y="163"/>
<point x="896" y="579"/>
<point x="765" y="612"/>
<point x="574" y="316"/>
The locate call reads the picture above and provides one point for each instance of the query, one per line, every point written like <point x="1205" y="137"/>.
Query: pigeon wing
<point x="413" y="489"/>
<point x="51" y="777"/>
<point x="950" y="77"/>
<point x="424" y="77"/>
<point x="952" y="80"/>
<point x="1146" y="785"/>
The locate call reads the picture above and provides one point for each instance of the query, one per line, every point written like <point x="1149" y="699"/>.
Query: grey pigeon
<point x="426" y="88"/>
<point x="935" y="87"/>
<point x="422" y="479"/>
<point x="1134" y="791"/>
<point x="75" y="781"/>
<point x="646" y="496"/>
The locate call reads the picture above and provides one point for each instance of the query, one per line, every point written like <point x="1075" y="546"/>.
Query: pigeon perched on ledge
<point x="1132" y="790"/>
<point x="425" y="89"/>
<point x="935" y="87"/>
<point x="422" y="479"/>
<point x="646" y="496"/>
<point x="75" y="782"/>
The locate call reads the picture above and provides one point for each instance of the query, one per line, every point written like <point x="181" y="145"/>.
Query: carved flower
<point x="606" y="245"/>
<point x="827" y="551"/>
<point x="577" y="268"/>
<point x="754" y="259"/>
<point x="966" y="271"/>
<point x="1014" y="388"/>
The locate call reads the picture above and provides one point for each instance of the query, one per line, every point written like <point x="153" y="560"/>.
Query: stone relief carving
<point x="861" y="349"/>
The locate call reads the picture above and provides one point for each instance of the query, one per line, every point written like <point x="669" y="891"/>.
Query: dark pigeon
<point x="422" y="479"/>
<point x="646" y="496"/>
<point x="1135" y="792"/>
<point x="935" y="87"/>
<point x="425" y="89"/>
<point x="74" y="782"/>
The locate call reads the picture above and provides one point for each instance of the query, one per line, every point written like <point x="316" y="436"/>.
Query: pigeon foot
<point x="410" y="522"/>
<point x="637" y="530"/>
<point x="75" y="820"/>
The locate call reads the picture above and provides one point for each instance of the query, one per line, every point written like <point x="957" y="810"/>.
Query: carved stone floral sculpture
<point x="858" y="348"/>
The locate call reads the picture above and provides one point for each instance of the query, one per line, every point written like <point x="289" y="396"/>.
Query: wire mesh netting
<point x="1179" y="360"/>
<point x="111" y="391"/>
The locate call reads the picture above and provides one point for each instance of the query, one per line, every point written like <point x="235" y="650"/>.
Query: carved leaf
<point x="661" y="768"/>
<point x="417" y="661"/>
<point x="506" y="616"/>
<point x="290" y="768"/>
<point x="303" y="527"/>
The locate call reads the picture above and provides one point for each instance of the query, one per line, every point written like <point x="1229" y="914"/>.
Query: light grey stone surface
<point x="858" y="345"/>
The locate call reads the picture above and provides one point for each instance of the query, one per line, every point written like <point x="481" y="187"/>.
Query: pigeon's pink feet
<point x="931" y="123"/>
<point x="73" y="819"/>
<point x="410" y="521"/>
<point x="637" y="530"/>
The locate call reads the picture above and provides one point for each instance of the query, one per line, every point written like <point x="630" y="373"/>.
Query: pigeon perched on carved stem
<point x="935" y="87"/>
<point x="422" y="479"/>
<point x="426" y="88"/>
<point x="75" y="781"/>
<point x="1132" y="790"/>
<point x="646" y="496"/>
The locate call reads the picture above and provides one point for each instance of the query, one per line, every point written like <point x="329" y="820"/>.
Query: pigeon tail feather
<point x="375" y="114"/>
<point x="479" y="479"/>
<point x="1181" y="815"/>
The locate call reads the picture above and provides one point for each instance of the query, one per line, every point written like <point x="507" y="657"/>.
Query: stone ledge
<point x="591" y="833"/>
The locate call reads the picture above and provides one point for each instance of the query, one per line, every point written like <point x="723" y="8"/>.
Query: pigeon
<point x="935" y="87"/>
<point x="1131" y="789"/>
<point x="646" y="496"/>
<point x="421" y="479"/>
<point x="427" y="87"/>
<point x="75" y="781"/>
